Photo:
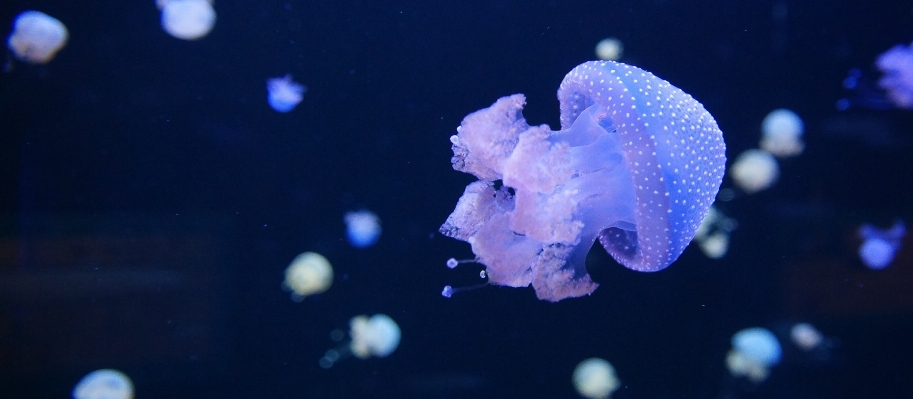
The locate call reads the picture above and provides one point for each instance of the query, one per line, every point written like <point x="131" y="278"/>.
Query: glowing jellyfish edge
<point x="637" y="165"/>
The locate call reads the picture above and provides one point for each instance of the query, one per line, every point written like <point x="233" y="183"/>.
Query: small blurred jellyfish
<point x="782" y="133"/>
<point x="376" y="336"/>
<point x="805" y="336"/>
<point x="754" y="351"/>
<point x="37" y="37"/>
<point x="308" y="274"/>
<point x="713" y="234"/>
<point x="754" y="170"/>
<point x="104" y="384"/>
<point x="284" y="94"/>
<point x="187" y="19"/>
<point x="362" y="228"/>
<point x="896" y="66"/>
<point x="879" y="246"/>
<point x="609" y="49"/>
<point x="595" y="378"/>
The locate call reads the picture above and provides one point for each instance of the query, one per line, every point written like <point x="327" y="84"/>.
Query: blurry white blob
<point x="283" y="93"/>
<point x="713" y="234"/>
<point x="104" y="384"/>
<point x="754" y="351"/>
<point x="376" y="336"/>
<point x="754" y="170"/>
<point x="37" y="37"/>
<point x="609" y="49"/>
<point x="187" y="19"/>
<point x="308" y="274"/>
<point x="805" y="336"/>
<point x="880" y="246"/>
<point x="782" y="133"/>
<point x="362" y="228"/>
<point x="595" y="378"/>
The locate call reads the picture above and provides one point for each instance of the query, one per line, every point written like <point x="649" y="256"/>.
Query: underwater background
<point x="152" y="200"/>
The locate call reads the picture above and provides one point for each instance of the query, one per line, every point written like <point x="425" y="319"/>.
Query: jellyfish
<point x="713" y="234"/>
<point x="782" y="133"/>
<point x="636" y="165"/>
<point x="609" y="49"/>
<point x="187" y="19"/>
<point x="754" y="170"/>
<point x="879" y="246"/>
<point x="308" y="274"/>
<point x="805" y="336"/>
<point x="595" y="378"/>
<point x="754" y="351"/>
<point x="362" y="228"/>
<point x="896" y="66"/>
<point x="104" y="384"/>
<point x="37" y="37"/>
<point x="284" y="94"/>
<point x="377" y="336"/>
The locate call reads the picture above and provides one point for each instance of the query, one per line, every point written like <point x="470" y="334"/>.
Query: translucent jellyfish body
<point x="376" y="336"/>
<point x="879" y="246"/>
<point x="754" y="170"/>
<point x="713" y="234"/>
<point x="104" y="384"/>
<point x="187" y="19"/>
<point x="782" y="133"/>
<point x="754" y="352"/>
<point x="37" y="37"/>
<point x="362" y="228"/>
<point x="283" y="94"/>
<point x="636" y="165"/>
<point x="308" y="274"/>
<point x="595" y="378"/>
<point x="805" y="336"/>
<point x="896" y="66"/>
<point x="609" y="49"/>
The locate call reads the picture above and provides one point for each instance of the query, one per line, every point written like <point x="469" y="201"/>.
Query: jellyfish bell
<point x="896" y="65"/>
<point x="104" y="384"/>
<point x="187" y="19"/>
<point x="609" y="49"/>
<point x="376" y="336"/>
<point x="805" y="336"/>
<point x="636" y="165"/>
<point x="284" y="94"/>
<point x="782" y="131"/>
<point x="309" y="273"/>
<point x="754" y="352"/>
<point x="37" y="37"/>
<point x="362" y="228"/>
<point x="595" y="378"/>
<point x="754" y="171"/>
<point x="880" y="246"/>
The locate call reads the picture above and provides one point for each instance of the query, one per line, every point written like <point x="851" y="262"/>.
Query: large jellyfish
<point x="636" y="165"/>
<point x="104" y="384"/>
<point x="37" y="37"/>
<point x="880" y="246"/>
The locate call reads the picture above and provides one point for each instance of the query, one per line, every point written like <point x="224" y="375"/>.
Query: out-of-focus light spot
<point x="595" y="378"/>
<point x="805" y="336"/>
<point x="609" y="49"/>
<point x="284" y="94"/>
<point x="754" y="352"/>
<point x="37" y="37"/>
<point x="104" y="384"/>
<point x="879" y="246"/>
<point x="376" y="336"/>
<point x="754" y="170"/>
<point x="309" y="273"/>
<point x="187" y="19"/>
<point x="782" y="133"/>
<point x="362" y="228"/>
